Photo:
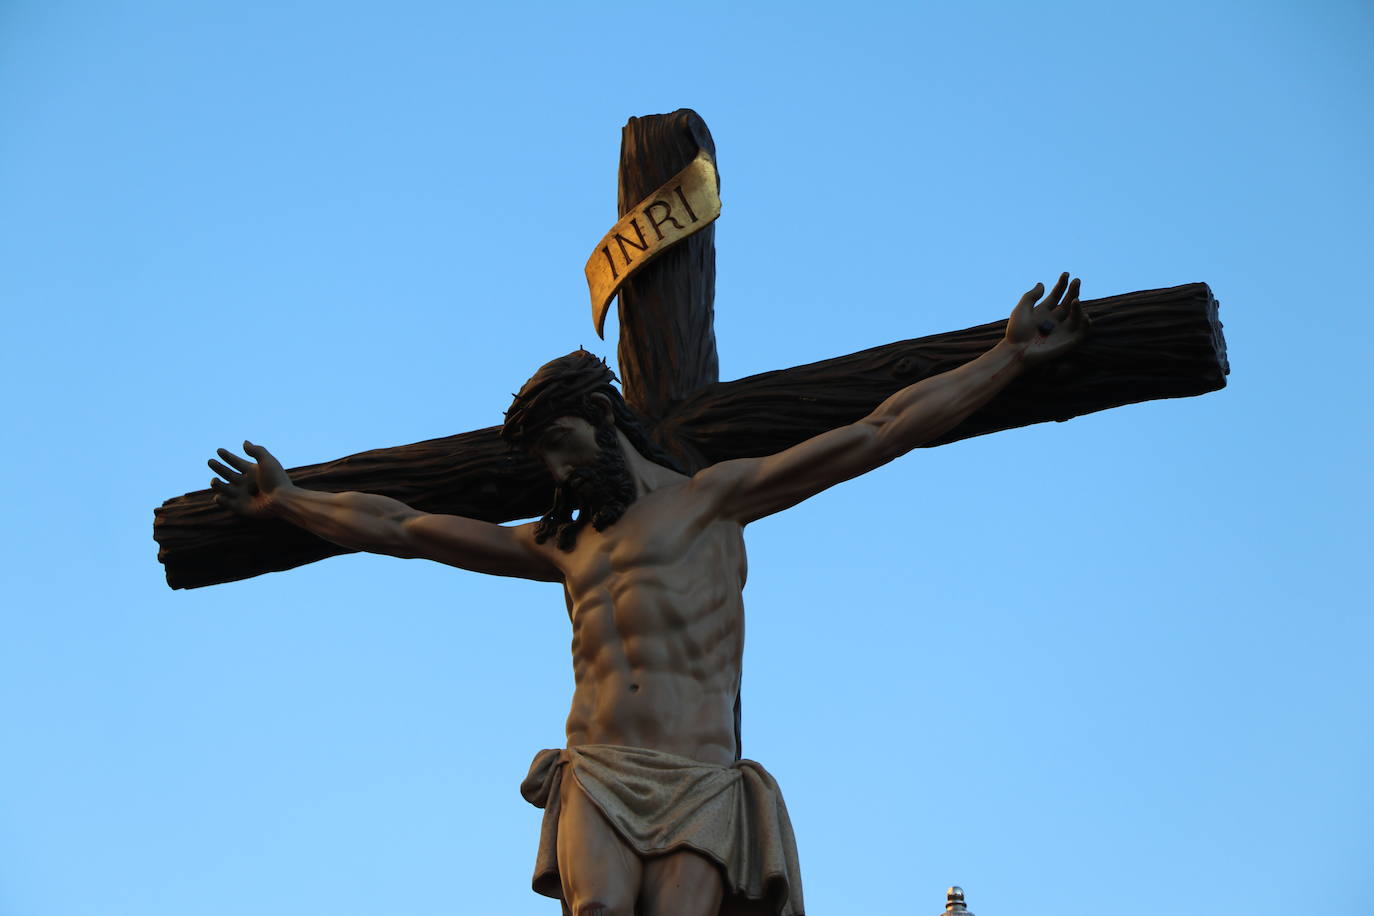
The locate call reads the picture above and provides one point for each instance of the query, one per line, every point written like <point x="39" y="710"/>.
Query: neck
<point x="647" y="475"/>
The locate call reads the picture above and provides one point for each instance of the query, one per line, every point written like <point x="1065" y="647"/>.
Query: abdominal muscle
<point x="657" y="652"/>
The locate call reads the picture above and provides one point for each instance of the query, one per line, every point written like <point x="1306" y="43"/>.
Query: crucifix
<point x="643" y="495"/>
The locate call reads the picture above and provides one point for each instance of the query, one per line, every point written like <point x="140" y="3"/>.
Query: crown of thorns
<point x="559" y="388"/>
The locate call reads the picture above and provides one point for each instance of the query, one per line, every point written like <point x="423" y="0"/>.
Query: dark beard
<point x="599" y="494"/>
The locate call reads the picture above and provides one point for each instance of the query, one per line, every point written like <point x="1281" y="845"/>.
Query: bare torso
<point x="658" y="628"/>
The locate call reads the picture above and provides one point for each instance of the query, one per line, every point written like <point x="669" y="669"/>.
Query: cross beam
<point x="1163" y="343"/>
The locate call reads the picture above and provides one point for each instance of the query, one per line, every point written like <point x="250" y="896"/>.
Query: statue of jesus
<point x="649" y="809"/>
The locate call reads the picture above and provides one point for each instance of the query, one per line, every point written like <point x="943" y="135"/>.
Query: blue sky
<point x="1108" y="666"/>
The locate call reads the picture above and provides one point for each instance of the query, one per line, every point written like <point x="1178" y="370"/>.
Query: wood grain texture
<point x="472" y="474"/>
<point x="667" y="310"/>
<point x="1164" y="343"/>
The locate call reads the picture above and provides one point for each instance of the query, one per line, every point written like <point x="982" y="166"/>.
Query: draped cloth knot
<point x="659" y="803"/>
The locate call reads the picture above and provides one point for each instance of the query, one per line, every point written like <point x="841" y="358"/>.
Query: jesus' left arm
<point x="1038" y="331"/>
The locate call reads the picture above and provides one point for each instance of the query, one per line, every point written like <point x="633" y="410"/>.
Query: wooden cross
<point x="1163" y="343"/>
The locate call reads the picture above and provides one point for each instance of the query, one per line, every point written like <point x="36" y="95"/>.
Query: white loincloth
<point x="659" y="803"/>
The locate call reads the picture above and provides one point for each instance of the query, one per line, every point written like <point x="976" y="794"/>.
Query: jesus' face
<point x="567" y="443"/>
<point x="590" y="477"/>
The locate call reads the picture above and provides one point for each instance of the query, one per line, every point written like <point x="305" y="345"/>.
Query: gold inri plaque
<point x="685" y="203"/>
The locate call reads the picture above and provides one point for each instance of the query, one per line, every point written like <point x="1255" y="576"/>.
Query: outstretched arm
<point x="751" y="488"/>
<point x="376" y="524"/>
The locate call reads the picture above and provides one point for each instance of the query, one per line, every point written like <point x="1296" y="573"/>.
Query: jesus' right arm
<point x="377" y="524"/>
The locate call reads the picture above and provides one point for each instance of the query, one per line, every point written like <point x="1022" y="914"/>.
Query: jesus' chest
<point x="656" y="558"/>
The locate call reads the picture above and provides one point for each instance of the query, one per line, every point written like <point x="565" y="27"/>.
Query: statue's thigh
<point x="681" y="884"/>
<point x="595" y="865"/>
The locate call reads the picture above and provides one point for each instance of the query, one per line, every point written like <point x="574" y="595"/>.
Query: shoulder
<point x="523" y="532"/>
<point x="523" y="535"/>
<point x="721" y="476"/>
<point x="714" y="487"/>
<point x="545" y="556"/>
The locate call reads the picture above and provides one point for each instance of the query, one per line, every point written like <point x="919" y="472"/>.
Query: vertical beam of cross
<point x="667" y="349"/>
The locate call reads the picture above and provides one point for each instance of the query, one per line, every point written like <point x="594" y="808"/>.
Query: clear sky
<point x="1116" y="665"/>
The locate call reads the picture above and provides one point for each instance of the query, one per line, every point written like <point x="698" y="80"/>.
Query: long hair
<point x="564" y="387"/>
<point x="603" y="492"/>
<point x="574" y="386"/>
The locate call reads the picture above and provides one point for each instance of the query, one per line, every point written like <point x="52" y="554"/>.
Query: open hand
<point x="1051" y="328"/>
<point x="247" y="488"/>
